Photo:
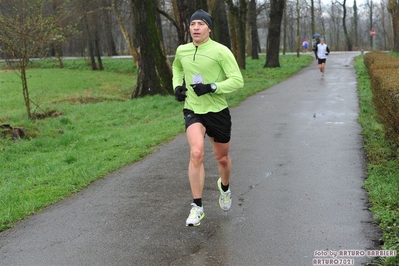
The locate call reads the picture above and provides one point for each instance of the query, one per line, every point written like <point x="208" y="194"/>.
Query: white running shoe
<point x="195" y="216"/>
<point x="224" y="198"/>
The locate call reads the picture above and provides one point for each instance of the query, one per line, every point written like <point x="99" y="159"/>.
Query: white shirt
<point x="322" y="50"/>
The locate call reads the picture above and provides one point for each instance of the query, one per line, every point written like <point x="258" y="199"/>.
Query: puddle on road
<point x="335" y="123"/>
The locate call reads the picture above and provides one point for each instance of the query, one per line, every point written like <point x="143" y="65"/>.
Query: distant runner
<point x="321" y="53"/>
<point x="305" y="45"/>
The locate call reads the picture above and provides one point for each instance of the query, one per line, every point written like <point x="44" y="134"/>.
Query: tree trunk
<point x="312" y="17"/>
<point x="233" y="34"/>
<point x="58" y="54"/>
<point x="155" y="72"/>
<point x="238" y="14"/>
<point x="370" y="5"/>
<point x="243" y="10"/>
<point x="347" y="36"/>
<point x="248" y="42"/>
<point x="25" y="90"/>
<point x="273" y="38"/>
<point x="393" y="9"/>
<point x="89" y="44"/>
<point x="254" y="30"/>
<point x="285" y="28"/>
<point x="108" y="30"/>
<point x="298" y="37"/>
<point x="97" y="49"/>
<point x="384" y="27"/>
<point x="220" y="32"/>
<point x="91" y="55"/>
<point x="355" y="24"/>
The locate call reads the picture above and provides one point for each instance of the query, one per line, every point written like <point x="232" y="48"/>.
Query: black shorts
<point x="217" y="125"/>
<point x="321" y="61"/>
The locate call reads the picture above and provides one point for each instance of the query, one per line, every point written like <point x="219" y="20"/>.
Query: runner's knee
<point x="196" y="155"/>
<point x="224" y="160"/>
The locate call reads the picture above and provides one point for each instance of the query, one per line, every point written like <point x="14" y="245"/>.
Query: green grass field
<point x="100" y="130"/>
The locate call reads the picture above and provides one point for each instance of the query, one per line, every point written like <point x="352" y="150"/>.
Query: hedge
<point x="383" y="70"/>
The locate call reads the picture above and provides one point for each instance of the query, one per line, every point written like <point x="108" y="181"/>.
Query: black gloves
<point x="180" y="93"/>
<point x="201" y="89"/>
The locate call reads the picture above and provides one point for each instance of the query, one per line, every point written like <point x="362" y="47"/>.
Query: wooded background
<point x="99" y="23"/>
<point x="151" y="30"/>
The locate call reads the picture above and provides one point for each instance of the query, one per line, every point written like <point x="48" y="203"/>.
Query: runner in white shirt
<point x="321" y="53"/>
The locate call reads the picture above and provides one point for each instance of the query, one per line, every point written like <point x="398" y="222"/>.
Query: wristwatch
<point x="213" y="87"/>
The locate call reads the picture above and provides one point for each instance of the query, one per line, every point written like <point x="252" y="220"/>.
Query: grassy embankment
<point x="100" y="130"/>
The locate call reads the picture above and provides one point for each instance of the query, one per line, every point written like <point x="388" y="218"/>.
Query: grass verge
<point x="100" y="130"/>
<point x="382" y="181"/>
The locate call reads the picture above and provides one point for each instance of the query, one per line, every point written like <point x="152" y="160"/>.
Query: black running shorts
<point x="321" y="61"/>
<point x="218" y="125"/>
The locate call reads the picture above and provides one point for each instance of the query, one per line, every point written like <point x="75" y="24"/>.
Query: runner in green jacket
<point x="203" y="71"/>
<point x="213" y="62"/>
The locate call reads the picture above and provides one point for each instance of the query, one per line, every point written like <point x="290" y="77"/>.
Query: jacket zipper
<point x="196" y="48"/>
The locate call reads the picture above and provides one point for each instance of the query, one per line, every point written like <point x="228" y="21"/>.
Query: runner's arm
<point x="234" y="79"/>
<point x="178" y="73"/>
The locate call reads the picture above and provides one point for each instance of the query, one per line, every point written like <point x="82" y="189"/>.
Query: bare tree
<point x="335" y="26"/>
<point x="125" y="32"/>
<point x="26" y="30"/>
<point x="322" y="21"/>
<point x="92" y="38"/>
<point x="90" y="12"/>
<point x="346" y="33"/>
<point x="181" y="21"/>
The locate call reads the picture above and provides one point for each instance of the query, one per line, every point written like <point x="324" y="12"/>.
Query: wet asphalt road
<point x="298" y="169"/>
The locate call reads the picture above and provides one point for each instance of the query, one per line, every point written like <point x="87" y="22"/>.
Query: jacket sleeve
<point x="328" y="50"/>
<point x="234" y="79"/>
<point x="177" y="70"/>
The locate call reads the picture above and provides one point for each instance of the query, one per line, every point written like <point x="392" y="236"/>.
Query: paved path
<point x="298" y="169"/>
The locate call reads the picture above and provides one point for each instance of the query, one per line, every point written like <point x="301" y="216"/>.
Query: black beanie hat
<point x="202" y="15"/>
